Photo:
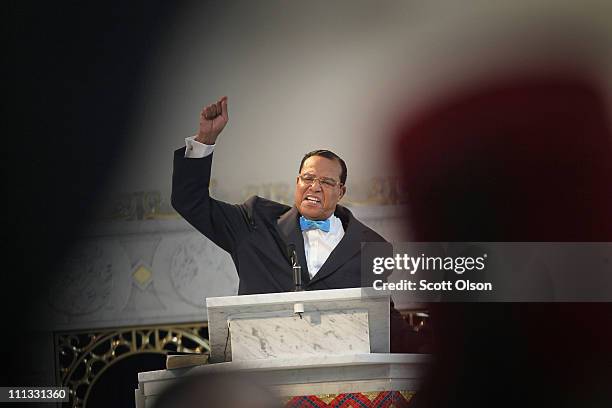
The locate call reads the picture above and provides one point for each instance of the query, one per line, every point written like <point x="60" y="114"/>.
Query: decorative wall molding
<point x="153" y="205"/>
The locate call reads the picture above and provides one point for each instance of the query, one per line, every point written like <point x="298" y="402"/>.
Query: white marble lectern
<point x="333" y="322"/>
<point x="309" y="343"/>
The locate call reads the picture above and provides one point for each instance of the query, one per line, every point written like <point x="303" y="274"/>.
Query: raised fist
<point x="213" y="119"/>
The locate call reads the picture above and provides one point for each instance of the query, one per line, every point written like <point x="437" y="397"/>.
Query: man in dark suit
<point x="257" y="234"/>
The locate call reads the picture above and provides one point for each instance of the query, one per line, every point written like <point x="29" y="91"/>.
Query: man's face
<point x="317" y="200"/>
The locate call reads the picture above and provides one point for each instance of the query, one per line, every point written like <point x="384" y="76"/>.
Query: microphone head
<point x="291" y="253"/>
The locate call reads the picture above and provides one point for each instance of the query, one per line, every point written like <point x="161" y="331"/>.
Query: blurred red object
<point x="522" y="159"/>
<point x="525" y="159"/>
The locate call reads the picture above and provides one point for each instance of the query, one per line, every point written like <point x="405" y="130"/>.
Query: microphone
<point x="297" y="269"/>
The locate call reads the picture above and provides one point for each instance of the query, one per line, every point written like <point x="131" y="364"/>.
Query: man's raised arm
<point x="222" y="223"/>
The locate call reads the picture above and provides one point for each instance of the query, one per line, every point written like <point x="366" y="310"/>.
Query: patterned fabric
<point x="382" y="399"/>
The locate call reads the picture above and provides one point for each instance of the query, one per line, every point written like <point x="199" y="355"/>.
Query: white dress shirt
<point x="318" y="245"/>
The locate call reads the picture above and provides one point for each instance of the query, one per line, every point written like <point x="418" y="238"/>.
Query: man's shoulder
<point x="264" y="207"/>
<point x="369" y="235"/>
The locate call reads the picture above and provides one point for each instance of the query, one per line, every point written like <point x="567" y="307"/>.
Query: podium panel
<point x="348" y="305"/>
<point x="311" y="333"/>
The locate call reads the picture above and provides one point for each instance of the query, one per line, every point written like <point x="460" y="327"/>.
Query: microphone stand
<point x="297" y="270"/>
<point x="298" y="308"/>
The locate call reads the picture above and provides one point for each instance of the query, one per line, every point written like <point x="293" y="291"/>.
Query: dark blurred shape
<point x="76" y="72"/>
<point x="115" y="388"/>
<point x="230" y="390"/>
<point x="525" y="158"/>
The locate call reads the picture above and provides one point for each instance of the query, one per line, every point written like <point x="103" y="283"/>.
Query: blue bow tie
<point x="306" y="224"/>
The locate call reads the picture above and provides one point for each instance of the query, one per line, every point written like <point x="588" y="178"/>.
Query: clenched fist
<point x="213" y="119"/>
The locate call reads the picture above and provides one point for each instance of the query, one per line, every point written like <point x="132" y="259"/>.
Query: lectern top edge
<point x="292" y="297"/>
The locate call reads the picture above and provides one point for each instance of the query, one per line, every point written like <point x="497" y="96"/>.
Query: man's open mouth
<point x="312" y="199"/>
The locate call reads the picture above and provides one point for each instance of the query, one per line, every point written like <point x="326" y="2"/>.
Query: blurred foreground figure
<point x="217" y="391"/>
<point x="523" y="158"/>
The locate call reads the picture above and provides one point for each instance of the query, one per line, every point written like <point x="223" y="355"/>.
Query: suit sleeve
<point x="224" y="224"/>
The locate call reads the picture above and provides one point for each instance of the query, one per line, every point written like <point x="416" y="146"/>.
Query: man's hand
<point x="212" y="121"/>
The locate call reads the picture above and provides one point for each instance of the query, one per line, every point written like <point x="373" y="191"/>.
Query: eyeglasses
<point x="326" y="182"/>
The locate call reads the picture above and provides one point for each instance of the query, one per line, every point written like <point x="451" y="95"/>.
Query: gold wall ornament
<point x="375" y="191"/>
<point x="279" y="192"/>
<point x="378" y="191"/>
<point x="152" y="205"/>
<point x="140" y="205"/>
<point x="142" y="275"/>
<point x="83" y="357"/>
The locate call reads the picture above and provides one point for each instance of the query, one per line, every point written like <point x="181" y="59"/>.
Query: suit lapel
<point x="348" y="246"/>
<point x="289" y="229"/>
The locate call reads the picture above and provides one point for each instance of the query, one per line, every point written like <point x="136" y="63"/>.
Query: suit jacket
<point x="257" y="234"/>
